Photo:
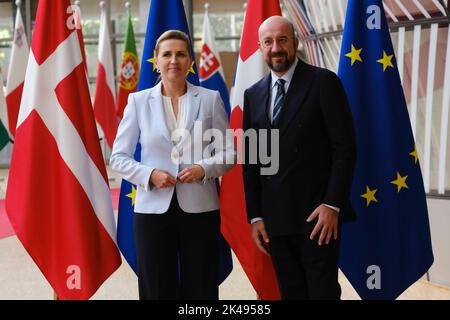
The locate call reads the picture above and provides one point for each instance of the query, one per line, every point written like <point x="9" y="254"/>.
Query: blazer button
<point x="299" y="125"/>
<point x="267" y="177"/>
<point x="295" y="150"/>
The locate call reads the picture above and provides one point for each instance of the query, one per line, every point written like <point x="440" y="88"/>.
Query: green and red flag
<point x="129" y="70"/>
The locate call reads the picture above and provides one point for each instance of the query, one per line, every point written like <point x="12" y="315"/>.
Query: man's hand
<point x="260" y="237"/>
<point x="327" y="224"/>
<point x="192" y="174"/>
<point x="162" y="179"/>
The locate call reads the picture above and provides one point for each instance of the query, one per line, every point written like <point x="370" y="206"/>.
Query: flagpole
<point x="128" y="7"/>
<point x="18" y="7"/>
<point x="18" y="3"/>
<point x="103" y="137"/>
<point x="77" y="17"/>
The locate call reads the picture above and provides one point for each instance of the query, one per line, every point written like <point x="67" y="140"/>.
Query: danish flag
<point x="58" y="198"/>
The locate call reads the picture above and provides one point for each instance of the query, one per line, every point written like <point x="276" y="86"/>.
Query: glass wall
<point x="226" y="25"/>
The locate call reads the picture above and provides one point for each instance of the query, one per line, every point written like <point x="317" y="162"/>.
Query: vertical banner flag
<point x="388" y="248"/>
<point x="250" y="69"/>
<point x="16" y="72"/>
<point x="211" y="71"/>
<point x="58" y="198"/>
<point x="105" y="88"/>
<point x="4" y="135"/>
<point x="129" y="70"/>
<point x="164" y="15"/>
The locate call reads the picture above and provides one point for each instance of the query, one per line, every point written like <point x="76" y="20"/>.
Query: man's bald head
<point x="278" y="43"/>
<point x="276" y="22"/>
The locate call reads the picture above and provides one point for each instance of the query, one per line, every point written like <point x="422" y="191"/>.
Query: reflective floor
<point x="21" y="279"/>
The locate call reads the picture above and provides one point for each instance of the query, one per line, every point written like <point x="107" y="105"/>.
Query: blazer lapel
<point x="298" y="89"/>
<point x="156" y="106"/>
<point x="192" y="107"/>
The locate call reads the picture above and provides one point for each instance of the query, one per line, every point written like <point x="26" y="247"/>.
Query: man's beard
<point x="282" y="67"/>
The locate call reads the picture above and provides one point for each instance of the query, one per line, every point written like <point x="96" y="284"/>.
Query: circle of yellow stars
<point x="399" y="182"/>
<point x="153" y="62"/>
<point x="355" y="55"/>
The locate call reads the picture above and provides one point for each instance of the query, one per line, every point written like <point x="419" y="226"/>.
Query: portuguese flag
<point x="129" y="70"/>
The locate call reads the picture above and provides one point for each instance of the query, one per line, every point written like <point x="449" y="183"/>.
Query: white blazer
<point x="144" y="122"/>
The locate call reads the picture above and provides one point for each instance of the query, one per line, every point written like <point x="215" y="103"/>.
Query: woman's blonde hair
<point x="173" y="34"/>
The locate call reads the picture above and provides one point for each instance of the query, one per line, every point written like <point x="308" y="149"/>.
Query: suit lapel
<point x="262" y="102"/>
<point x="156" y="107"/>
<point x="298" y="89"/>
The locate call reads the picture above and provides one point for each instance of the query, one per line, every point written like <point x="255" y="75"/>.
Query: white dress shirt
<point x="180" y="120"/>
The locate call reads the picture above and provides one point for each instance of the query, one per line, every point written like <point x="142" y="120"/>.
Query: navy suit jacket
<point x="317" y="151"/>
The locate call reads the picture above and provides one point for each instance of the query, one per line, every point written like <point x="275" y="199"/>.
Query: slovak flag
<point x="211" y="71"/>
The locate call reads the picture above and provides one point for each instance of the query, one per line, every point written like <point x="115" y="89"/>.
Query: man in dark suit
<point x="296" y="213"/>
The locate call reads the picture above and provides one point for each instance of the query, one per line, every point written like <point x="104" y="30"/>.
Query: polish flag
<point x="250" y="69"/>
<point x="16" y="72"/>
<point x="58" y="198"/>
<point x="105" y="89"/>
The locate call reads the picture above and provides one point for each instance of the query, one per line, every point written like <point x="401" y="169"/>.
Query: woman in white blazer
<point x="185" y="144"/>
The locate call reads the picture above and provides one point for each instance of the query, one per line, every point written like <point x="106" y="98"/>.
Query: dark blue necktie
<point x="279" y="99"/>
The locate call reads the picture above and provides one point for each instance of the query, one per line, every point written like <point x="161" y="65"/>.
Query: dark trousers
<point x="305" y="270"/>
<point x="177" y="254"/>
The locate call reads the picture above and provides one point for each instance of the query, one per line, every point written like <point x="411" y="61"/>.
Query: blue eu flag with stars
<point x="164" y="15"/>
<point x="388" y="248"/>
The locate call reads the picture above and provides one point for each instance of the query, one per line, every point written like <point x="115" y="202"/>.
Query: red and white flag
<point x="105" y="90"/>
<point x="58" y="198"/>
<point x="77" y="22"/>
<point x="250" y="69"/>
<point x="16" y="72"/>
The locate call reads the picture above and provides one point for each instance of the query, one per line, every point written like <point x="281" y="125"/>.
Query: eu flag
<point x="388" y="248"/>
<point x="164" y="15"/>
<point x="125" y="229"/>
